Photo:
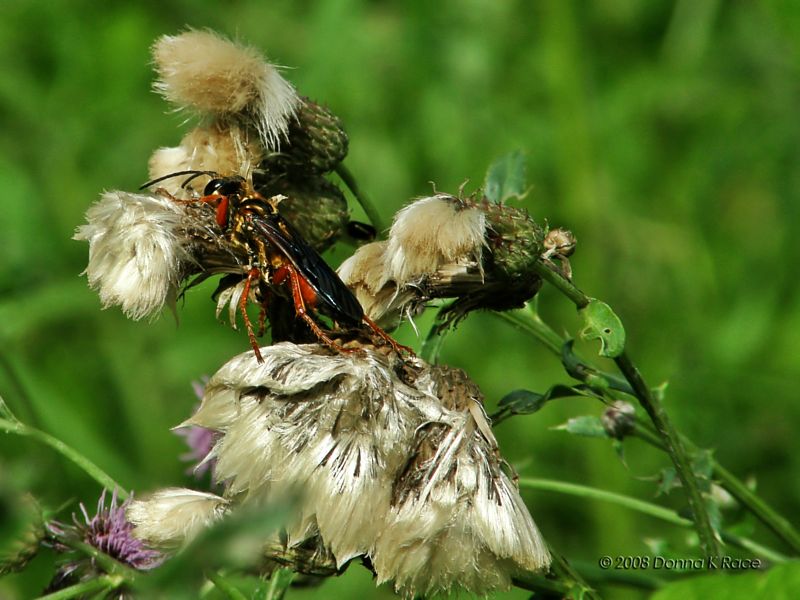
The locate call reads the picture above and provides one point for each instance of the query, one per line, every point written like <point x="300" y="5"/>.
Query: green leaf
<point x="587" y="426"/>
<point x="525" y="402"/>
<point x="602" y="324"/>
<point x="507" y="178"/>
<point x="727" y="581"/>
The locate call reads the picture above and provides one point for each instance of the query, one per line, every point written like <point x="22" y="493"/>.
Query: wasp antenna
<point x="197" y="174"/>
<point x="193" y="172"/>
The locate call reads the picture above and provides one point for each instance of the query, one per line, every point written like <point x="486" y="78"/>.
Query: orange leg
<point x="386" y="337"/>
<point x="302" y="312"/>
<point x="253" y="274"/>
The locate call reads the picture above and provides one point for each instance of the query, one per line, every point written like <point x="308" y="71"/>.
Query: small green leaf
<point x="667" y="479"/>
<point x="586" y="426"/>
<point x="602" y="324"/>
<point x="507" y="178"/>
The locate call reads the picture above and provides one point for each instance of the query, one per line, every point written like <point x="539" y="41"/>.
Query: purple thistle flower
<point x="108" y="531"/>
<point x="199" y="439"/>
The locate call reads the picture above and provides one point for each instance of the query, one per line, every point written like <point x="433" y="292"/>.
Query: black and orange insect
<point x="279" y="256"/>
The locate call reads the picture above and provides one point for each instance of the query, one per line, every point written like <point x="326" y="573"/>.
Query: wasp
<point x="280" y="257"/>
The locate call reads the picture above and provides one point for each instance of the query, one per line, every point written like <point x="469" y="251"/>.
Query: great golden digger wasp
<point x="279" y="257"/>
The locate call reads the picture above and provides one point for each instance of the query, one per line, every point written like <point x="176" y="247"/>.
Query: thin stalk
<point x="369" y="208"/>
<point x="104" y="583"/>
<point x="736" y="487"/>
<point x="766" y="514"/>
<point x="657" y="414"/>
<point x="647" y="508"/>
<point x="676" y="451"/>
<point x="531" y="323"/>
<point x="226" y="588"/>
<point x="13" y="426"/>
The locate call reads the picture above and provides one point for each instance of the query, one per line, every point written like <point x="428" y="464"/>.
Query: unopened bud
<point x="618" y="419"/>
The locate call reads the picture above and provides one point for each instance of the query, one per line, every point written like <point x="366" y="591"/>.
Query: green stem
<point x="657" y="414"/>
<point x="647" y="508"/>
<point x="84" y="463"/>
<point x="104" y="583"/>
<point x="363" y="200"/>
<point x="583" y="491"/>
<point x="676" y="451"/>
<point x="562" y="284"/>
<point x="530" y="322"/>
<point x="226" y="588"/>
<point x="766" y="514"/>
<point x="109" y="564"/>
<point x="763" y="512"/>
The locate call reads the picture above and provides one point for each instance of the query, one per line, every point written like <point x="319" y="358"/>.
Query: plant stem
<point x="763" y="512"/>
<point x="583" y="491"/>
<point x="766" y="514"/>
<point x="366" y="204"/>
<point x="104" y="583"/>
<point x="676" y="451"/>
<point x="226" y="588"/>
<point x="647" y="508"/>
<point x="84" y="463"/>
<point x="530" y="322"/>
<point x="657" y="414"/>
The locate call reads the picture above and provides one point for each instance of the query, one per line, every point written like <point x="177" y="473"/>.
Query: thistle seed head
<point x="393" y="461"/>
<point x="206" y="73"/>
<point x="136" y="252"/>
<point x="172" y="517"/>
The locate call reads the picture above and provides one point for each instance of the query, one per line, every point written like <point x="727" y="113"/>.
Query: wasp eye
<point x="213" y="186"/>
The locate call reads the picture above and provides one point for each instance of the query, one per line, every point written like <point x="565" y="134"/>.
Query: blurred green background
<point x="664" y="134"/>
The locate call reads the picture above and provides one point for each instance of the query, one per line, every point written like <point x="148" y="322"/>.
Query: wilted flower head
<point x="393" y="460"/>
<point x="479" y="253"/>
<point x="204" y="72"/>
<point x="223" y="147"/>
<point x="108" y="531"/>
<point x="136" y="253"/>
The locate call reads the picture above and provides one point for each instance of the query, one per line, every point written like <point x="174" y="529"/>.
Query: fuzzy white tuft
<point x="405" y="471"/>
<point x="224" y="148"/>
<point x="432" y="232"/>
<point x="173" y="516"/>
<point x="135" y="251"/>
<point x="207" y="73"/>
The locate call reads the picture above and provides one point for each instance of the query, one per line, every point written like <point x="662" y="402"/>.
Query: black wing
<point x="336" y="299"/>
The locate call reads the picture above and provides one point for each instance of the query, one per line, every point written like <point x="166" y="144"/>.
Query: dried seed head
<point x="394" y="461"/>
<point x="222" y="147"/>
<point x="136" y="255"/>
<point x="432" y="232"/>
<point x="173" y="516"/>
<point x="560" y="241"/>
<point x="207" y="73"/>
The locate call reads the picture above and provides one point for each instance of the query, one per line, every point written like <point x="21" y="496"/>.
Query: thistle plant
<point x="343" y="452"/>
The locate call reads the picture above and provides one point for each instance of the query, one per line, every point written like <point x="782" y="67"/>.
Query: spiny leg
<point x="253" y="274"/>
<point x="386" y="337"/>
<point x="302" y="312"/>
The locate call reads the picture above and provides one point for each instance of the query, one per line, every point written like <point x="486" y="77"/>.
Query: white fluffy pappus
<point x="457" y="520"/>
<point x="324" y="426"/>
<point x="135" y="251"/>
<point x="222" y="147"/>
<point x="172" y="517"/>
<point x="209" y="74"/>
<point x="404" y="470"/>
<point x="432" y="232"/>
